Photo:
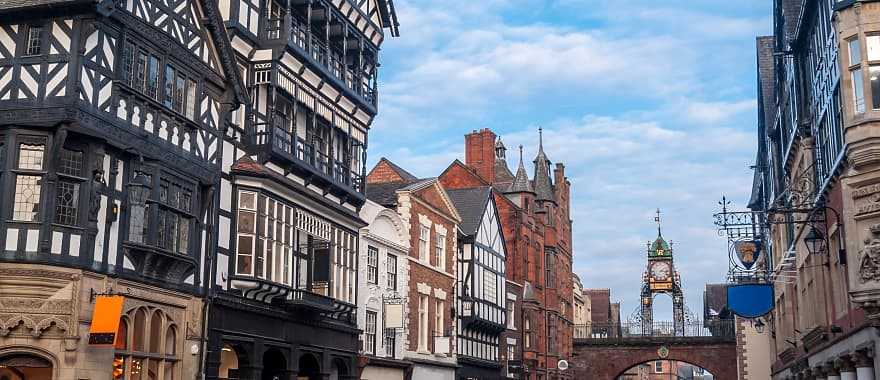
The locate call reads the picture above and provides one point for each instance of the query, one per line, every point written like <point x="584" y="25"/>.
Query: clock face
<point x="661" y="271"/>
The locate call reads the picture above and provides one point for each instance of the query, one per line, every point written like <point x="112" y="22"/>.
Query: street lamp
<point x="815" y="241"/>
<point x="138" y="189"/>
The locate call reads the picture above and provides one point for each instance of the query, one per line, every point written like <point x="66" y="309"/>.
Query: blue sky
<point x="648" y="104"/>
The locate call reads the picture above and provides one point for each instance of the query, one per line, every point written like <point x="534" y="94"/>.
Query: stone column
<point x="864" y="366"/>
<point x="831" y="372"/>
<point x="847" y="368"/>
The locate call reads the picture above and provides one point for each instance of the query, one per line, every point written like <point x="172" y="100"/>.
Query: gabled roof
<point x="385" y="193"/>
<point x="226" y="55"/>
<point x="471" y="204"/>
<point x="401" y="172"/>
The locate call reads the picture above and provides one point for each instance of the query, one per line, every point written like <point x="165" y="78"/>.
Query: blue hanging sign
<point x="750" y="300"/>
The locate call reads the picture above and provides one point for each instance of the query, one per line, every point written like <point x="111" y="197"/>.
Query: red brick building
<point x="535" y="217"/>
<point x="432" y="222"/>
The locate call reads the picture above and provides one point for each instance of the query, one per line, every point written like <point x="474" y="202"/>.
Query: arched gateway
<point x="603" y="351"/>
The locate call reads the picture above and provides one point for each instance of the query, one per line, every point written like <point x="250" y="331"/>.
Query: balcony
<point x="609" y="333"/>
<point x="304" y="159"/>
<point x="327" y="59"/>
<point x="297" y="300"/>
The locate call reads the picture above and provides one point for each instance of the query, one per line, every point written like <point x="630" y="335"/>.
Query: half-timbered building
<point x="432" y="221"/>
<point x="285" y="291"/>
<point x="481" y="293"/>
<point x="111" y="117"/>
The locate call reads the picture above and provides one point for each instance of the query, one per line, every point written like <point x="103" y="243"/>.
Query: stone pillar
<point x="831" y="372"/>
<point x="847" y="369"/>
<point x="864" y="366"/>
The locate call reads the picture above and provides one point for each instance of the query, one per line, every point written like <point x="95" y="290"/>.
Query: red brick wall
<point x="459" y="176"/>
<point x="383" y="172"/>
<point x="479" y="153"/>
<point x="423" y="274"/>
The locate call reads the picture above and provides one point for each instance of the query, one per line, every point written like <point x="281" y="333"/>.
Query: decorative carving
<point x="869" y="256"/>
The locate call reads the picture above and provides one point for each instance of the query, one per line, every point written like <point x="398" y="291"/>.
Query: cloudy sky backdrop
<point x="648" y="104"/>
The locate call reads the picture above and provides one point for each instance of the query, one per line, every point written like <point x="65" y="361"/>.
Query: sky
<point x="649" y="104"/>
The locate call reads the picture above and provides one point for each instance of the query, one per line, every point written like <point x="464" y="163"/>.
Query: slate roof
<point x="384" y="194"/>
<point x="521" y="183"/>
<point x="542" y="183"/>
<point x="470" y="204"/>
<point x="21" y="4"/>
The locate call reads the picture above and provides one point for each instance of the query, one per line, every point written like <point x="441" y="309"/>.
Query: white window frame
<point x="370" y="332"/>
<point x="439" y="323"/>
<point x="423" y="323"/>
<point x="372" y="265"/>
<point x="440" y="251"/>
<point x="424" y="237"/>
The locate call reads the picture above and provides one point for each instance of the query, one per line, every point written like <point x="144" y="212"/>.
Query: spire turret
<point x="543" y="183"/>
<point x="521" y="182"/>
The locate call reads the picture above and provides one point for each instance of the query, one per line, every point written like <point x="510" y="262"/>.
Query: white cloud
<point x="714" y="112"/>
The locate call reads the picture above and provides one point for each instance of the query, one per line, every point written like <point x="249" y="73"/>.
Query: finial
<point x="520" y="154"/>
<point x="657" y="219"/>
<point x="541" y="138"/>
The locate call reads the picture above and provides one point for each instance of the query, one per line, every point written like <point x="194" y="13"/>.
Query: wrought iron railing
<point x="718" y="329"/>
<point x="282" y="142"/>
<point x="332" y="59"/>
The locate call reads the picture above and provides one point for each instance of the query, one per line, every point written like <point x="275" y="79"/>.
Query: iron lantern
<point x="815" y="241"/>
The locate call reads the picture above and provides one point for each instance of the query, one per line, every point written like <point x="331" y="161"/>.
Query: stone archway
<point x="606" y="362"/>
<point x="309" y="367"/>
<point x="667" y="367"/>
<point x="27" y="363"/>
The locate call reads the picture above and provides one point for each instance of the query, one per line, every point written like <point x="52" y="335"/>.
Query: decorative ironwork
<point x="722" y="330"/>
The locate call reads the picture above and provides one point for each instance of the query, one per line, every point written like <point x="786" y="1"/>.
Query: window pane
<point x="34" y="46"/>
<point x="137" y="229"/>
<point x="855" y="52"/>
<point x="31" y="156"/>
<point x="66" y="203"/>
<point x="27" y="198"/>
<point x="71" y="163"/>
<point x="169" y="86"/>
<point x="873" y="44"/>
<point x="245" y="252"/>
<point x="183" y="242"/>
<point x="190" y="99"/>
<point x="874" y="74"/>
<point x="153" y="78"/>
<point x="858" y="91"/>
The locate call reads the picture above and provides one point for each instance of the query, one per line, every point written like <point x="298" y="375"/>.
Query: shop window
<point x="133" y="361"/>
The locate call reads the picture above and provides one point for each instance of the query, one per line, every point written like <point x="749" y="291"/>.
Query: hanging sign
<point x="394" y="316"/>
<point x="750" y="300"/>
<point x="747" y="251"/>
<point x="105" y="320"/>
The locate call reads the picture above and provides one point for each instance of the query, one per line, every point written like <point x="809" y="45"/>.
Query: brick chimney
<point x="479" y="153"/>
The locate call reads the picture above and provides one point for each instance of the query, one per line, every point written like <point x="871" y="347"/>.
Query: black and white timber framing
<point x="198" y="104"/>
<point x="481" y="265"/>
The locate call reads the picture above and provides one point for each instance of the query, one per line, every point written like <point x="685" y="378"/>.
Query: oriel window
<point x="70" y="177"/>
<point x="28" y="181"/>
<point x="855" y="69"/>
<point x="873" y="52"/>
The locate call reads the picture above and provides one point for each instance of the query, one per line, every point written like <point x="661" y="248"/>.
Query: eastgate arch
<point x="592" y="361"/>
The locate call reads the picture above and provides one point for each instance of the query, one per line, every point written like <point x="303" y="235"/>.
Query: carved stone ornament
<point x="869" y="256"/>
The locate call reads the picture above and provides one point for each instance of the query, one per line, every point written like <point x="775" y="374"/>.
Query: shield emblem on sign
<point x="747" y="251"/>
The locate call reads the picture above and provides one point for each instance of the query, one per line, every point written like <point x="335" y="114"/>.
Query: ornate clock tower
<point x="661" y="277"/>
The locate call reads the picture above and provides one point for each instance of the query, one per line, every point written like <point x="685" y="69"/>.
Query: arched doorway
<point x="339" y="370"/>
<point x="232" y="359"/>
<point x="274" y="364"/>
<point x="24" y="366"/>
<point x="309" y="368"/>
<point x="665" y="369"/>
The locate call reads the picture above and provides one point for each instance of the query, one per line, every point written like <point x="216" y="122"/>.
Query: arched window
<point x="122" y="335"/>
<point x="140" y="327"/>
<point x="152" y="352"/>
<point x="155" y="332"/>
<point x="170" y="341"/>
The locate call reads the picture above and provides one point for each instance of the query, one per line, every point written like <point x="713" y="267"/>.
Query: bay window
<point x="855" y="69"/>
<point x="70" y="178"/>
<point x="29" y="178"/>
<point x="140" y="70"/>
<point x="872" y="42"/>
<point x="265" y="235"/>
<point x="161" y="210"/>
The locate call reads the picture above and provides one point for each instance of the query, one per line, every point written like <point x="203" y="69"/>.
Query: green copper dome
<point x="660" y="248"/>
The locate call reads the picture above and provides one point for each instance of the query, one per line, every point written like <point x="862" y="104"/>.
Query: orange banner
<point x="105" y="320"/>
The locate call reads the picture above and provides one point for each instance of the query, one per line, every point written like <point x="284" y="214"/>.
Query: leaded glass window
<point x="28" y="185"/>
<point x="67" y="191"/>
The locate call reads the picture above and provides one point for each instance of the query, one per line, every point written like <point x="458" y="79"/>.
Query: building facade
<point x="537" y="231"/>
<point x="109" y="162"/>
<point x="283" y="301"/>
<point x="383" y="278"/>
<point x="432" y="222"/>
<point x="818" y="98"/>
<point x="481" y="291"/>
